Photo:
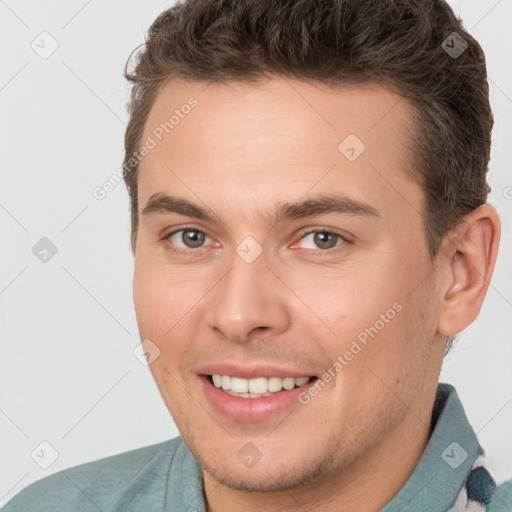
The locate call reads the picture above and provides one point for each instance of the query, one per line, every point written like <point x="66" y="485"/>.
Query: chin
<point x="272" y="473"/>
<point x="261" y="480"/>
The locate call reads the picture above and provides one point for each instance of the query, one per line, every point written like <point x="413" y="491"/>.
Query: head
<point x="330" y="161"/>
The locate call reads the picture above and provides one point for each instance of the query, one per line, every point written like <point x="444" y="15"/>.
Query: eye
<point x="323" y="239"/>
<point x="189" y="238"/>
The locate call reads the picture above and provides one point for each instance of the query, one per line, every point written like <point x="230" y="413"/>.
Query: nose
<point x="249" y="302"/>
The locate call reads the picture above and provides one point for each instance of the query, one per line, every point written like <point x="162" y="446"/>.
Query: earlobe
<point x="468" y="258"/>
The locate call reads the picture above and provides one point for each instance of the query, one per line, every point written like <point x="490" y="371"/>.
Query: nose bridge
<point x="248" y="297"/>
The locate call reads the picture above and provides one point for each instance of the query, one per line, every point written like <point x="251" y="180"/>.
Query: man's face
<point x="257" y="290"/>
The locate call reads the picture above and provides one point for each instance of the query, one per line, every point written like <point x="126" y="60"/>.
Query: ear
<point x="466" y="262"/>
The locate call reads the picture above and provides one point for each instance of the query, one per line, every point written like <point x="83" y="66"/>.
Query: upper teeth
<point x="257" y="385"/>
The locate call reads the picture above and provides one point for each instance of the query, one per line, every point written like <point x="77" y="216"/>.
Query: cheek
<point x="350" y="299"/>
<point x="168" y="304"/>
<point x="158" y="312"/>
<point x="156" y="299"/>
<point x="363" y="319"/>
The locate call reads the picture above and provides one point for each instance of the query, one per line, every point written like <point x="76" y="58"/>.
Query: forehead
<point x="231" y="138"/>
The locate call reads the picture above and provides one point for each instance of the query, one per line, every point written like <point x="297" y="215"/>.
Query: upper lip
<point x="250" y="372"/>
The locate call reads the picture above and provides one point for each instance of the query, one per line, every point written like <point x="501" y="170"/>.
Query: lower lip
<point x="251" y="409"/>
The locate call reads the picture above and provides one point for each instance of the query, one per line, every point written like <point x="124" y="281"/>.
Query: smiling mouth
<point x="257" y="387"/>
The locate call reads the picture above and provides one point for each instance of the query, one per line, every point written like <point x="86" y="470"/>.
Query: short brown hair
<point x="402" y="44"/>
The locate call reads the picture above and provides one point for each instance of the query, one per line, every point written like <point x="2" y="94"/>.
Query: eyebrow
<point x="161" y="203"/>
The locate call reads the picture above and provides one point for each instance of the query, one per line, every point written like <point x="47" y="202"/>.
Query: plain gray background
<point x="69" y="377"/>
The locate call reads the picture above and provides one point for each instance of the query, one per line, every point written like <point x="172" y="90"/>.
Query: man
<point x="310" y="231"/>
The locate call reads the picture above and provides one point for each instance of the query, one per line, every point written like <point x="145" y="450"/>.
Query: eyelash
<point x="344" y="239"/>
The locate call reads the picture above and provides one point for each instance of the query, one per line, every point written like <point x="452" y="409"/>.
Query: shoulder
<point x="95" y="485"/>
<point x="502" y="498"/>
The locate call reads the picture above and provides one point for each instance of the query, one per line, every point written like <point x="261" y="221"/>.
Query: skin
<point x="240" y="152"/>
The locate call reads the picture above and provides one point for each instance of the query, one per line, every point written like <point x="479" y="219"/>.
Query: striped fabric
<point x="477" y="491"/>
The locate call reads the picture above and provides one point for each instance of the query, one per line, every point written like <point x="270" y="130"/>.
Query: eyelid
<point x="182" y="228"/>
